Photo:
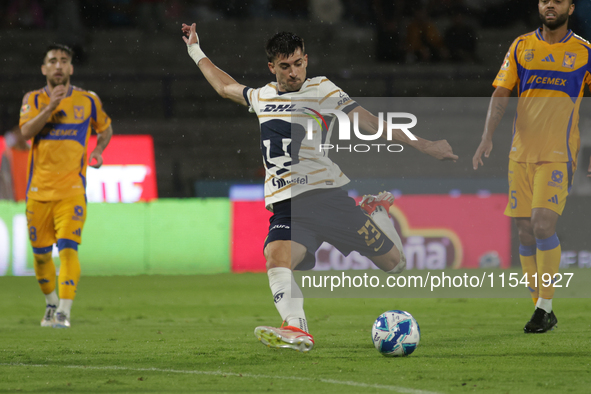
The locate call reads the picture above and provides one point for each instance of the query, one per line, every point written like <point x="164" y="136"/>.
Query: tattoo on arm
<point x="497" y="114"/>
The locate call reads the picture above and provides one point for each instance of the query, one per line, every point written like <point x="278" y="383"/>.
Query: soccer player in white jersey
<point x="304" y="176"/>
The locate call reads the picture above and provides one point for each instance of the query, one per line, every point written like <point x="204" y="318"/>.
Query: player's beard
<point x="53" y="82"/>
<point x="294" y="86"/>
<point x="556" y="23"/>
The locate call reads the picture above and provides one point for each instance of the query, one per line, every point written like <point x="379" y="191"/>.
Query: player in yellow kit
<point x="60" y="118"/>
<point x="550" y="68"/>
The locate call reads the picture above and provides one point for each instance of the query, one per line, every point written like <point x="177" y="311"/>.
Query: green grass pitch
<point x="195" y="334"/>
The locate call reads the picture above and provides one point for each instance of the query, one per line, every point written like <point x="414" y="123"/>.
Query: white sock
<point x="65" y="306"/>
<point x="51" y="299"/>
<point x="544" y="304"/>
<point x="381" y="218"/>
<point x="288" y="297"/>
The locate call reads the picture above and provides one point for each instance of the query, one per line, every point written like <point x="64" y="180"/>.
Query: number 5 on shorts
<point x="513" y="199"/>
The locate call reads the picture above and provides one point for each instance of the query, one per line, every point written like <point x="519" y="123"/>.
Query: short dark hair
<point x="283" y="44"/>
<point x="59" y="47"/>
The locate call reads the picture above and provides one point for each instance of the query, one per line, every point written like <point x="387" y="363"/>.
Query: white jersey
<point x="292" y="154"/>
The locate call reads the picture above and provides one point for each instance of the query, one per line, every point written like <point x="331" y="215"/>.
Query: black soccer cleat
<point x="541" y="321"/>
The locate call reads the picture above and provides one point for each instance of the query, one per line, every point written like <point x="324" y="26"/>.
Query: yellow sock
<point x="527" y="256"/>
<point x="69" y="273"/>
<point x="45" y="272"/>
<point x="548" y="259"/>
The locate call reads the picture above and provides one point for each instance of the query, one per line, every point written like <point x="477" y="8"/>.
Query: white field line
<point x="398" y="389"/>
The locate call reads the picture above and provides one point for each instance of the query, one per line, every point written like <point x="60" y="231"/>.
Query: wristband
<point x="195" y="52"/>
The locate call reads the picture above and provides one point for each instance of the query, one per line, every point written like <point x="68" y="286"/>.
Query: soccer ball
<point x="396" y="333"/>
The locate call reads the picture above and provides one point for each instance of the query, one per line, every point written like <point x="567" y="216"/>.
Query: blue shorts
<point x="326" y="215"/>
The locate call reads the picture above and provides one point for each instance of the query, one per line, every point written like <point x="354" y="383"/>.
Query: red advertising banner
<point x="250" y="224"/>
<point x="128" y="173"/>
<point x="437" y="232"/>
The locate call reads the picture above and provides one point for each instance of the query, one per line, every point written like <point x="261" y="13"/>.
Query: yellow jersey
<point x="550" y="82"/>
<point x="57" y="159"/>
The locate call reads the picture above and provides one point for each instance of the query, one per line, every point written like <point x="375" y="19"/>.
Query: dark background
<point x="131" y="53"/>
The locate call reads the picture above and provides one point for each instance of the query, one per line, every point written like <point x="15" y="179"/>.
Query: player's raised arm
<point x="32" y="127"/>
<point x="496" y="110"/>
<point x="441" y="150"/>
<point x="224" y="84"/>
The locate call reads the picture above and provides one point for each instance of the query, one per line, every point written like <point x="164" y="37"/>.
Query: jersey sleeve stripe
<point x="93" y="107"/>
<point x="280" y="190"/>
<point x="245" y="95"/>
<point x="328" y="95"/>
<point x="350" y="106"/>
<point x="26" y="98"/>
<point x="317" y="171"/>
<point x="322" y="181"/>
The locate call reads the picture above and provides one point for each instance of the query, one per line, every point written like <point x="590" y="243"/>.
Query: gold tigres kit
<point x="293" y="161"/>
<point x="550" y="81"/>
<point x="57" y="160"/>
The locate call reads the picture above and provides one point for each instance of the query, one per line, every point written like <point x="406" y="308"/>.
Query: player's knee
<point x="42" y="258"/>
<point x="543" y="229"/>
<point x="526" y="238"/>
<point x="277" y="257"/>
<point x="393" y="262"/>
<point x="400" y="264"/>
<point x="525" y="232"/>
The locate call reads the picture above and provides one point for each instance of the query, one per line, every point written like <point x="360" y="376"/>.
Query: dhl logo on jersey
<point x="280" y="108"/>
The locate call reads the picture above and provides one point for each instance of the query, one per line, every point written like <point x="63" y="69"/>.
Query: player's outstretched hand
<point x="441" y="150"/>
<point x="190" y="33"/>
<point x="484" y="147"/>
<point x="94" y="155"/>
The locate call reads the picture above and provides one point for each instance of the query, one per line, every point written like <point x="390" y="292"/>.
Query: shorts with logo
<point x="326" y="215"/>
<point x="538" y="185"/>
<point x="49" y="221"/>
